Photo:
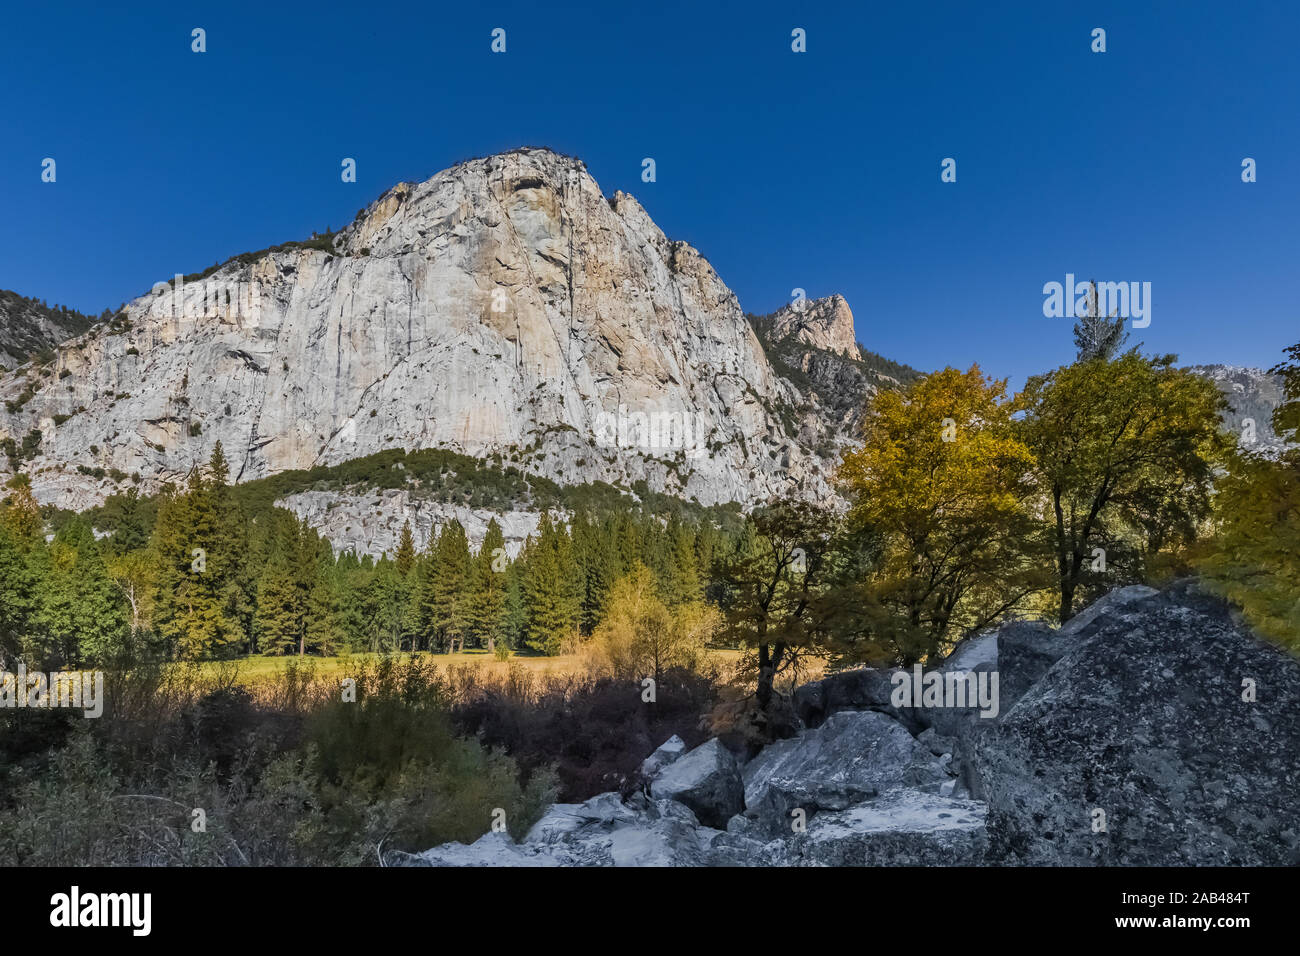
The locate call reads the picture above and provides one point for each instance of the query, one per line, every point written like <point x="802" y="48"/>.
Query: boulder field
<point x="1153" y="728"/>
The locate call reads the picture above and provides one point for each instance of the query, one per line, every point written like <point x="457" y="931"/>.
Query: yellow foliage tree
<point x="942" y="480"/>
<point x="641" y="637"/>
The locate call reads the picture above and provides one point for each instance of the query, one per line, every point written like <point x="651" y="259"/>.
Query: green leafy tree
<point x="773" y="589"/>
<point x="1122" y="448"/>
<point x="1255" y="558"/>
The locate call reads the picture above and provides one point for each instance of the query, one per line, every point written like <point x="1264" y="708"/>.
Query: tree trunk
<point x="764" y="677"/>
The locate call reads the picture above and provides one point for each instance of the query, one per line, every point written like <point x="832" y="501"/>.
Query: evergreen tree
<point x="389" y="607"/>
<point x="594" y="552"/>
<point x="681" y="584"/>
<point x="516" y="614"/>
<point x="485" y="601"/>
<point x="278" y="622"/>
<point x="201" y="602"/>
<point x="550" y="599"/>
<point x="405" y="557"/>
<point x="129" y="534"/>
<point x="19" y="594"/>
<point x="442" y="592"/>
<point x="83" y="615"/>
<point x="324" y="631"/>
<point x="1097" y="336"/>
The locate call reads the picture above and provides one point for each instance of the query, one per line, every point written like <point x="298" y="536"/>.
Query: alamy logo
<point x="1128" y="300"/>
<point x="946" y="689"/>
<point x="74" y="909"/>
<point x="655" y="432"/>
<point x="81" y="690"/>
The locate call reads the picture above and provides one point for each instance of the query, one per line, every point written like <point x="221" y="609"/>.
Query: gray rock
<point x="1143" y="719"/>
<point x="666" y="753"/>
<point x="563" y="820"/>
<point x="603" y="831"/>
<point x="1026" y="650"/>
<point x="979" y="652"/>
<point x="863" y="688"/>
<point x="707" y="780"/>
<point x="903" y="828"/>
<point x="1108" y="603"/>
<point x="491" y="849"/>
<point x="853" y="757"/>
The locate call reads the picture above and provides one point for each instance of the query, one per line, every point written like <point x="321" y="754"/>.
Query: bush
<point x="595" y="731"/>
<point x="288" y="774"/>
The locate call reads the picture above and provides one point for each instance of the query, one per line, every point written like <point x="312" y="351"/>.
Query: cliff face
<point x="812" y="344"/>
<point x="504" y="307"/>
<point x="1253" y="394"/>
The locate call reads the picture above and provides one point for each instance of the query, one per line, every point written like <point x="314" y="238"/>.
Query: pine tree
<point x="443" y="589"/>
<point x="485" y="601"/>
<point x="278" y="622"/>
<point x="550" y="598"/>
<point x="130" y="534"/>
<point x="1097" y="336"/>
<point x="390" y="607"/>
<point x="202" y="607"/>
<point x="595" y="555"/>
<point x="405" y="558"/>
<point x="516" y="613"/>
<point x="681" y="584"/>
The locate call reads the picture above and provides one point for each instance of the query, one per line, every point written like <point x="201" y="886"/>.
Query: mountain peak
<point x="822" y="323"/>
<point x="504" y="309"/>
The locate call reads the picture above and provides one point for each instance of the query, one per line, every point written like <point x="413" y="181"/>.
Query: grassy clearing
<point x="252" y="670"/>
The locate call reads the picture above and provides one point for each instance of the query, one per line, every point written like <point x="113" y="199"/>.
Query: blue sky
<point x="818" y="170"/>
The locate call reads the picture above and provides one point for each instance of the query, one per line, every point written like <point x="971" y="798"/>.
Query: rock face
<point x="372" y="523"/>
<point x="1143" y="719"/>
<point x="1253" y="394"/>
<point x="825" y="324"/>
<point x="813" y="345"/>
<point x="503" y="307"/>
<point x="1135" y="709"/>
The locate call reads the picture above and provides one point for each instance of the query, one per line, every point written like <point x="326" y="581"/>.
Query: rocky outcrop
<point x="1165" y="735"/>
<point x="505" y="307"/>
<point x="371" y="522"/>
<point x="825" y="324"/>
<point x="27" y="326"/>
<point x="1153" y="729"/>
